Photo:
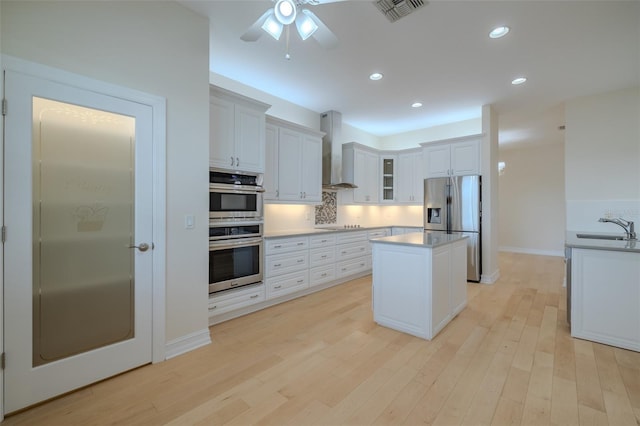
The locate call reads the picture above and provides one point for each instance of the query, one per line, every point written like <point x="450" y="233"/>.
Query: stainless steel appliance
<point x="454" y="204"/>
<point x="235" y="254"/>
<point x="235" y="196"/>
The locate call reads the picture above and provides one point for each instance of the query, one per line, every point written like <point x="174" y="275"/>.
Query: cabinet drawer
<point x="322" y="241"/>
<point x="286" y="263"/>
<point x="322" y="256"/>
<point x="285" y="245"/>
<point x="378" y="233"/>
<point x="354" y="266"/>
<point x="349" y="251"/>
<point x="322" y="274"/>
<point x="351" y="236"/>
<point x="226" y="301"/>
<point x="285" y="284"/>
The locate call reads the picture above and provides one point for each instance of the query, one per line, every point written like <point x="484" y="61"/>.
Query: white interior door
<point x="78" y="196"/>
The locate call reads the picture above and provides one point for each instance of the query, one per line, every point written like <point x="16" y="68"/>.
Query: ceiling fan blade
<point x="255" y="30"/>
<point x="323" y="34"/>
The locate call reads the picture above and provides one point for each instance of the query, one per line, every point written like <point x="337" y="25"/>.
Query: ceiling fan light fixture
<point x="272" y="27"/>
<point x="306" y="26"/>
<point x="285" y="11"/>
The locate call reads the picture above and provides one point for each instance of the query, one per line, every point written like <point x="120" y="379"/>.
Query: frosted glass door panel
<point x="83" y="225"/>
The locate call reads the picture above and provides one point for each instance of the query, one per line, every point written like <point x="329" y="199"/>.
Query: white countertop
<point x="319" y="230"/>
<point x="421" y="239"/>
<point x="571" y="240"/>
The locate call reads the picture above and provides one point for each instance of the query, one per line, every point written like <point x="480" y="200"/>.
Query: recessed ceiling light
<point x="518" y="80"/>
<point x="375" y="76"/>
<point x="499" y="32"/>
<point x="416" y="105"/>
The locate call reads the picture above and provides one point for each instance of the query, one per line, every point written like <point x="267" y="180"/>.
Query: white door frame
<point x="158" y="106"/>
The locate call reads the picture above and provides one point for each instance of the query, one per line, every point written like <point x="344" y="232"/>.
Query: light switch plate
<point x="189" y="221"/>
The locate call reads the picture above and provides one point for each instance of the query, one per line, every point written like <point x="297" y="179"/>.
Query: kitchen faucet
<point x="627" y="225"/>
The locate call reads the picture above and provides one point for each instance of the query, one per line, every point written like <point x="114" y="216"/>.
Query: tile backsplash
<point x="327" y="212"/>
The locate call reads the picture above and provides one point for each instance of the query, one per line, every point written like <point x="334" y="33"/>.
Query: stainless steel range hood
<point x="331" y="125"/>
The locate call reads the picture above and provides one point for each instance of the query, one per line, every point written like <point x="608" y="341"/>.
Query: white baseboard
<point x="491" y="278"/>
<point x="187" y="343"/>
<point x="558" y="253"/>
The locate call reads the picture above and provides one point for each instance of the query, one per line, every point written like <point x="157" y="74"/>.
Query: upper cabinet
<point x="389" y="177"/>
<point x="237" y="131"/>
<point x="452" y="157"/>
<point x="293" y="171"/>
<point x="361" y="165"/>
<point x="410" y="178"/>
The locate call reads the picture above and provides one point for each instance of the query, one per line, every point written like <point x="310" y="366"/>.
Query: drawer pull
<point x="277" y="286"/>
<point x="361" y="248"/>
<point x="300" y="281"/>
<point x="300" y="243"/>
<point x="362" y="264"/>
<point x="324" y="241"/>
<point x="323" y="275"/>
<point x="277" y="246"/>
<point x="344" y="252"/>
<point x="213" y="307"/>
<point x="344" y="269"/>
<point x="253" y="297"/>
<point x="300" y="260"/>
<point x="324" y="256"/>
<point x="277" y="265"/>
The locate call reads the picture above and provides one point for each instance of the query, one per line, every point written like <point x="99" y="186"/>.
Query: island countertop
<point x="421" y="239"/>
<point x="572" y="240"/>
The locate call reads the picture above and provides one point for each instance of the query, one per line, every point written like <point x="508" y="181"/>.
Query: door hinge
<point x="4" y="106"/>
<point x="4" y="234"/>
<point x="2" y="361"/>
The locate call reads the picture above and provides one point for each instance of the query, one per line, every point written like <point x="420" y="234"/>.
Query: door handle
<point x="141" y="247"/>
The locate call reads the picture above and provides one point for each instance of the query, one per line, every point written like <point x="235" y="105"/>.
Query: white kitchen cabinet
<point x="294" y="163"/>
<point x="230" y="300"/>
<point x="286" y="265"/>
<point x="361" y="165"/>
<point x="410" y="180"/>
<point x="605" y="297"/>
<point x="237" y="131"/>
<point x="389" y="178"/>
<point x="453" y="157"/>
<point x="417" y="290"/>
<point x="399" y="230"/>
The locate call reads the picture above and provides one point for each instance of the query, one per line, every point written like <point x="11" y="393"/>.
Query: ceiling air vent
<point x="396" y="9"/>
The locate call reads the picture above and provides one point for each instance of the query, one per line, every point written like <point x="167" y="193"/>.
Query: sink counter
<point x="572" y="240"/>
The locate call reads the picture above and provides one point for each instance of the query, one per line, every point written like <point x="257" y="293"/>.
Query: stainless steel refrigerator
<point x="454" y="204"/>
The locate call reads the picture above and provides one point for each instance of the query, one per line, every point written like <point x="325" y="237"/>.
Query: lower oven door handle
<point x="240" y="242"/>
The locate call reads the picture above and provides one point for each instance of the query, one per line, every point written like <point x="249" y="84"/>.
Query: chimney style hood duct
<point x="331" y="125"/>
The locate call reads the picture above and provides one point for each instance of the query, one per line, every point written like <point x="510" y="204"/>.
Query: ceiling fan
<point x="285" y="13"/>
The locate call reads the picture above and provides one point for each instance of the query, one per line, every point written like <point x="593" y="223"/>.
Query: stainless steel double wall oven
<point x="235" y="229"/>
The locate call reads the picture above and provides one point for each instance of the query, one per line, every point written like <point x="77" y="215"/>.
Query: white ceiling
<point x="440" y="55"/>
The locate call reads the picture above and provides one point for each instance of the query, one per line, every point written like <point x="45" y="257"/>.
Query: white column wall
<point x="602" y="160"/>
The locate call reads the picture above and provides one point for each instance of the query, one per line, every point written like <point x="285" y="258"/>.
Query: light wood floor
<point x="507" y="358"/>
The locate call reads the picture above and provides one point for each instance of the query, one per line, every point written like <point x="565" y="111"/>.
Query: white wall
<point x="602" y="160"/>
<point x="531" y="198"/>
<point x="446" y="131"/>
<point x="160" y="48"/>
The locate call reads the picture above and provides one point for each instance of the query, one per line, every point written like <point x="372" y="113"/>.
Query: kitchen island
<point x="603" y="289"/>
<point x="419" y="281"/>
